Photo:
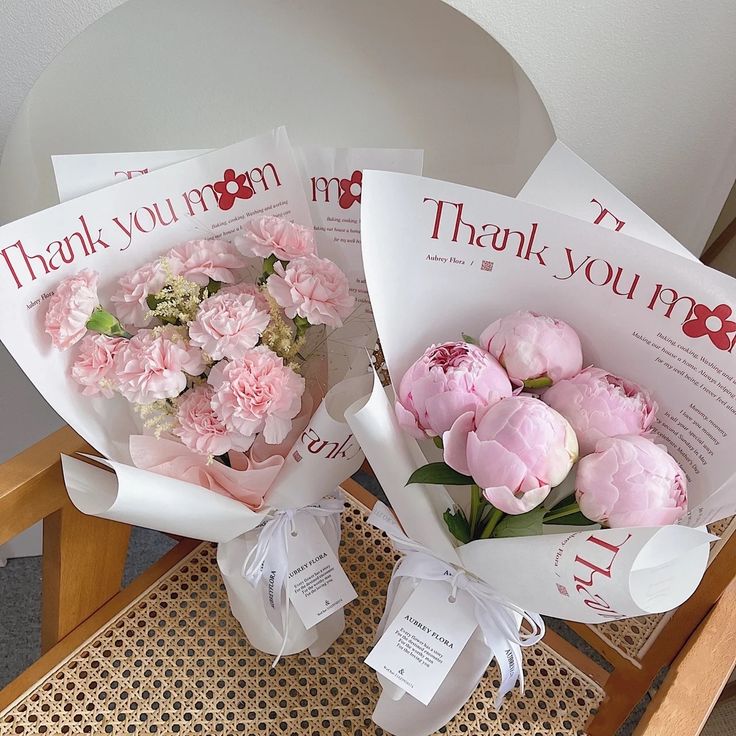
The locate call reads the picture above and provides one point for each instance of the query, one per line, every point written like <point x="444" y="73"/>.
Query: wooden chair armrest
<point x="31" y="485"/>
<point x="83" y="556"/>
<point x="697" y="677"/>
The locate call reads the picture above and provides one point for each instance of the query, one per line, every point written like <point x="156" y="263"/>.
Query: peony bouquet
<point x="553" y="438"/>
<point x="515" y="447"/>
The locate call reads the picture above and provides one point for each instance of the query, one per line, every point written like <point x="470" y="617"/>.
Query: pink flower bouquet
<point x="514" y="450"/>
<point x="206" y="357"/>
<point x="554" y="436"/>
<point x="211" y="360"/>
<point x="184" y="323"/>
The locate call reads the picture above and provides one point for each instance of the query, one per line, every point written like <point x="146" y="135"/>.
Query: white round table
<point x="168" y="74"/>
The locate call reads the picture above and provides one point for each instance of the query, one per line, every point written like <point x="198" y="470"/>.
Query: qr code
<point x="563" y="590"/>
<point x="486" y="265"/>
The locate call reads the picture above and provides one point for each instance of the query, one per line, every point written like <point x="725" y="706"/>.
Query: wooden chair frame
<point x="631" y="680"/>
<point x="84" y="559"/>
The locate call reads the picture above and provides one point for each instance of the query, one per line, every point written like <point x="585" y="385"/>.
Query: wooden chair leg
<point x="83" y="562"/>
<point x="615" y="709"/>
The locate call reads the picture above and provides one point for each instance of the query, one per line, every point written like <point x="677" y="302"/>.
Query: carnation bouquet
<point x="183" y="324"/>
<point x="554" y="440"/>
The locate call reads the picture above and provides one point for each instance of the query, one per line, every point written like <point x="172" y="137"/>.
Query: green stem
<point x="494" y="517"/>
<point x="474" y="509"/>
<point x="541" y="382"/>
<point x="572" y="508"/>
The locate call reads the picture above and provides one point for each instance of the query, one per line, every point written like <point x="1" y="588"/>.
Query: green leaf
<point x="470" y="339"/>
<point x="576" y="519"/>
<point x="440" y="473"/>
<point x="521" y="525"/>
<point x="213" y="287"/>
<point x="562" y="503"/>
<point x="458" y="525"/>
<point x="268" y="265"/>
<point x="438" y="442"/>
<point x="106" y="324"/>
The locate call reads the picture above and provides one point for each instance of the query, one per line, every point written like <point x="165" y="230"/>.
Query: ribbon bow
<point x="499" y="620"/>
<point x="266" y="567"/>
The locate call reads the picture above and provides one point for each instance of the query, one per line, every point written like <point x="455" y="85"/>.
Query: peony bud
<point x="447" y="381"/>
<point x="599" y="404"/>
<point x="520" y="450"/>
<point x="631" y="481"/>
<point x="534" y="349"/>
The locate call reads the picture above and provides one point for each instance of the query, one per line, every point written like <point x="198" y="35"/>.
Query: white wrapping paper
<point x="441" y="259"/>
<point x="331" y="179"/>
<point x="113" y="231"/>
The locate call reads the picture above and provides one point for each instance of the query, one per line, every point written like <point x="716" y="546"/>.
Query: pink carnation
<point x="312" y="288"/>
<point x="70" y="308"/>
<point x="154" y="364"/>
<point x="202" y="260"/>
<point x="201" y="430"/>
<point x="93" y="366"/>
<point x="252" y="290"/>
<point x="257" y="393"/>
<point x="227" y="325"/>
<point x="134" y="288"/>
<point x="266" y="236"/>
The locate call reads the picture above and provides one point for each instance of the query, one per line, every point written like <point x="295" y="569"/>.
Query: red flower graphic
<point x="350" y="190"/>
<point x="231" y="188"/>
<point x="712" y="322"/>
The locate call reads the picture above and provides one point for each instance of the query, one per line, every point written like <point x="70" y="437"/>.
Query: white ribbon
<point x="266" y="567"/>
<point x="499" y="620"/>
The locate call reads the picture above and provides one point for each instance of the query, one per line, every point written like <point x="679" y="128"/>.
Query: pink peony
<point x="257" y="393"/>
<point x="154" y="364"/>
<point x="93" y="366"/>
<point x="447" y="381"/>
<point x="266" y="236"/>
<point x="533" y="347"/>
<point x="598" y="404"/>
<point x="200" y="429"/>
<point x="129" y="300"/>
<point x="227" y="325"/>
<point x="631" y="481"/>
<point x="70" y="308"/>
<point x="312" y="288"/>
<point x="251" y="290"/>
<point x="519" y="451"/>
<point x="202" y="260"/>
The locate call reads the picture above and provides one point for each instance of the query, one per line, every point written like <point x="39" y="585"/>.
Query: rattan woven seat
<point x="176" y="661"/>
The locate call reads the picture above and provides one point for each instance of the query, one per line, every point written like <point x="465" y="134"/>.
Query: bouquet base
<point x="247" y="603"/>
<point x="182" y="626"/>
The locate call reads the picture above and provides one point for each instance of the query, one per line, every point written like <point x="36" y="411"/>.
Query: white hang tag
<point x="317" y="584"/>
<point x="420" y="645"/>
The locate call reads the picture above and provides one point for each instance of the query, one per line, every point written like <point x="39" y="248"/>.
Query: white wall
<point x="645" y="91"/>
<point x="32" y="32"/>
